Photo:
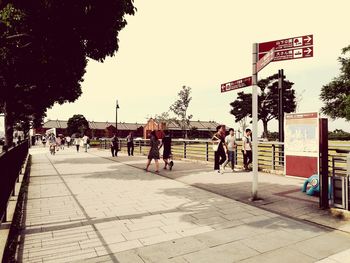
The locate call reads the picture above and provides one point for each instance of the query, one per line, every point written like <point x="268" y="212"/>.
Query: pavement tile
<point x="167" y="250"/>
<point x="159" y="238"/>
<point x="229" y="253"/>
<point x="324" y="245"/>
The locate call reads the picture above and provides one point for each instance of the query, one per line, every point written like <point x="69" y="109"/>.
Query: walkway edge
<point x="15" y="224"/>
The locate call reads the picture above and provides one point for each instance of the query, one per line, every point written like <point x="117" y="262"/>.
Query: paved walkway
<point x="92" y="208"/>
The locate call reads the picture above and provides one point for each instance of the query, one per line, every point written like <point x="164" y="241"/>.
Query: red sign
<point x="305" y="52"/>
<point x="265" y="60"/>
<point x="236" y="84"/>
<point x="301" y="115"/>
<point x="288" y="43"/>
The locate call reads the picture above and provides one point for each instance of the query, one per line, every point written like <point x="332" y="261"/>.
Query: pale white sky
<point x="201" y="44"/>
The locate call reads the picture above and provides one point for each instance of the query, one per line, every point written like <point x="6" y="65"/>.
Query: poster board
<point x="301" y="148"/>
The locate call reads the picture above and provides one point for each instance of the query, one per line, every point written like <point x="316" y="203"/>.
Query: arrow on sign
<point x="308" y="51"/>
<point x="307" y="39"/>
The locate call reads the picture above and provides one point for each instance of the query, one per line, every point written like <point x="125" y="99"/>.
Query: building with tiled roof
<point x="98" y="129"/>
<point x="196" y="129"/>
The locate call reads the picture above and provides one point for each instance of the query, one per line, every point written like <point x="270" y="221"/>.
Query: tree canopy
<point x="336" y="94"/>
<point x="180" y="107"/>
<point x="44" y="50"/>
<point x="267" y="101"/>
<point x="77" y="124"/>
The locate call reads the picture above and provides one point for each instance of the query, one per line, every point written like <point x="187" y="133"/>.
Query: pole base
<point x="255" y="199"/>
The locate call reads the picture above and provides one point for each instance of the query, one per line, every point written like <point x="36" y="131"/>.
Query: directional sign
<point x="236" y="84"/>
<point x="288" y="43"/>
<point x="265" y="60"/>
<point x="304" y="52"/>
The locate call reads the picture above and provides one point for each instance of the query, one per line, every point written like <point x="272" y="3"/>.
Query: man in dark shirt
<point x="166" y="143"/>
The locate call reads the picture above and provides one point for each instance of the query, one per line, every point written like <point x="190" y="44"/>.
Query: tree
<point x="267" y="101"/>
<point x="180" y="107"/>
<point x="336" y="94"/>
<point x="77" y="124"/>
<point x="44" y="49"/>
<point x="165" y="118"/>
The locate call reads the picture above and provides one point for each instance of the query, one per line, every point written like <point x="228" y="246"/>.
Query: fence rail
<point x="11" y="163"/>
<point x="271" y="154"/>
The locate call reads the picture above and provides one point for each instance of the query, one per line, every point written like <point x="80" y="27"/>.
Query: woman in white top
<point x="247" y="149"/>
<point x="77" y="142"/>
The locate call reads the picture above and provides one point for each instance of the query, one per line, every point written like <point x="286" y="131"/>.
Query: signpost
<point x="236" y="84"/>
<point x="263" y="54"/>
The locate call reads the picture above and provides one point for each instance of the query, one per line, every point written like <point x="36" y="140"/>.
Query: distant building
<point x="96" y="129"/>
<point x="196" y="129"/>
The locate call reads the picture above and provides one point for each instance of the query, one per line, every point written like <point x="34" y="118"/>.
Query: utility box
<point x="341" y="184"/>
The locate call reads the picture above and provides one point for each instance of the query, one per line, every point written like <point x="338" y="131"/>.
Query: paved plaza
<point x="90" y="207"/>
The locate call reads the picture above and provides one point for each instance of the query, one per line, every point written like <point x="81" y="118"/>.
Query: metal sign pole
<point x="255" y="122"/>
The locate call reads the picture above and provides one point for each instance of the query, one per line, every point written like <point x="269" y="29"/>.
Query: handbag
<point x="216" y="144"/>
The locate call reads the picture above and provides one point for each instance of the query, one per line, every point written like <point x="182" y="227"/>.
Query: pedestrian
<point x="153" y="152"/>
<point x="52" y="143"/>
<point x="68" y="140"/>
<point x="114" y="146"/>
<point x="58" y="143"/>
<point x="43" y="140"/>
<point x="86" y="141"/>
<point x="77" y="142"/>
<point x="247" y="149"/>
<point x="166" y="143"/>
<point x="230" y="141"/>
<point x="130" y="144"/>
<point x="63" y="142"/>
<point x="220" y="152"/>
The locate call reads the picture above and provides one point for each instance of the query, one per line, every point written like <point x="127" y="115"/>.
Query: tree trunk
<point x="265" y="129"/>
<point x="8" y="126"/>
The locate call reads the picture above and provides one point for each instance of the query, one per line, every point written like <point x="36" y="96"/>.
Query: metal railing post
<point x="140" y="147"/>
<point x="184" y="150"/>
<point x="273" y="156"/>
<point x="207" y="151"/>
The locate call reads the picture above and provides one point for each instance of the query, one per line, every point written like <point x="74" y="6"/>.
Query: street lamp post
<point x="116" y="118"/>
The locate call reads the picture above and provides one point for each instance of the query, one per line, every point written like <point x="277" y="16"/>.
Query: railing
<point x="11" y="163"/>
<point x="271" y="154"/>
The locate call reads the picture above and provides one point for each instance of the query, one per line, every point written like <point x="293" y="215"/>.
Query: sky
<point x="202" y="44"/>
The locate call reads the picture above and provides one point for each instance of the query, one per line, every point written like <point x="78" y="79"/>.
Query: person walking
<point x="220" y="152"/>
<point x="58" y="143"/>
<point x="114" y="146"/>
<point x="247" y="149"/>
<point x="130" y="144"/>
<point x="52" y="144"/>
<point x="166" y="144"/>
<point x="153" y="152"/>
<point x="77" y="142"/>
<point x="85" y="142"/>
<point x="230" y="141"/>
<point x="63" y="142"/>
<point x="43" y="140"/>
<point x="68" y="140"/>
